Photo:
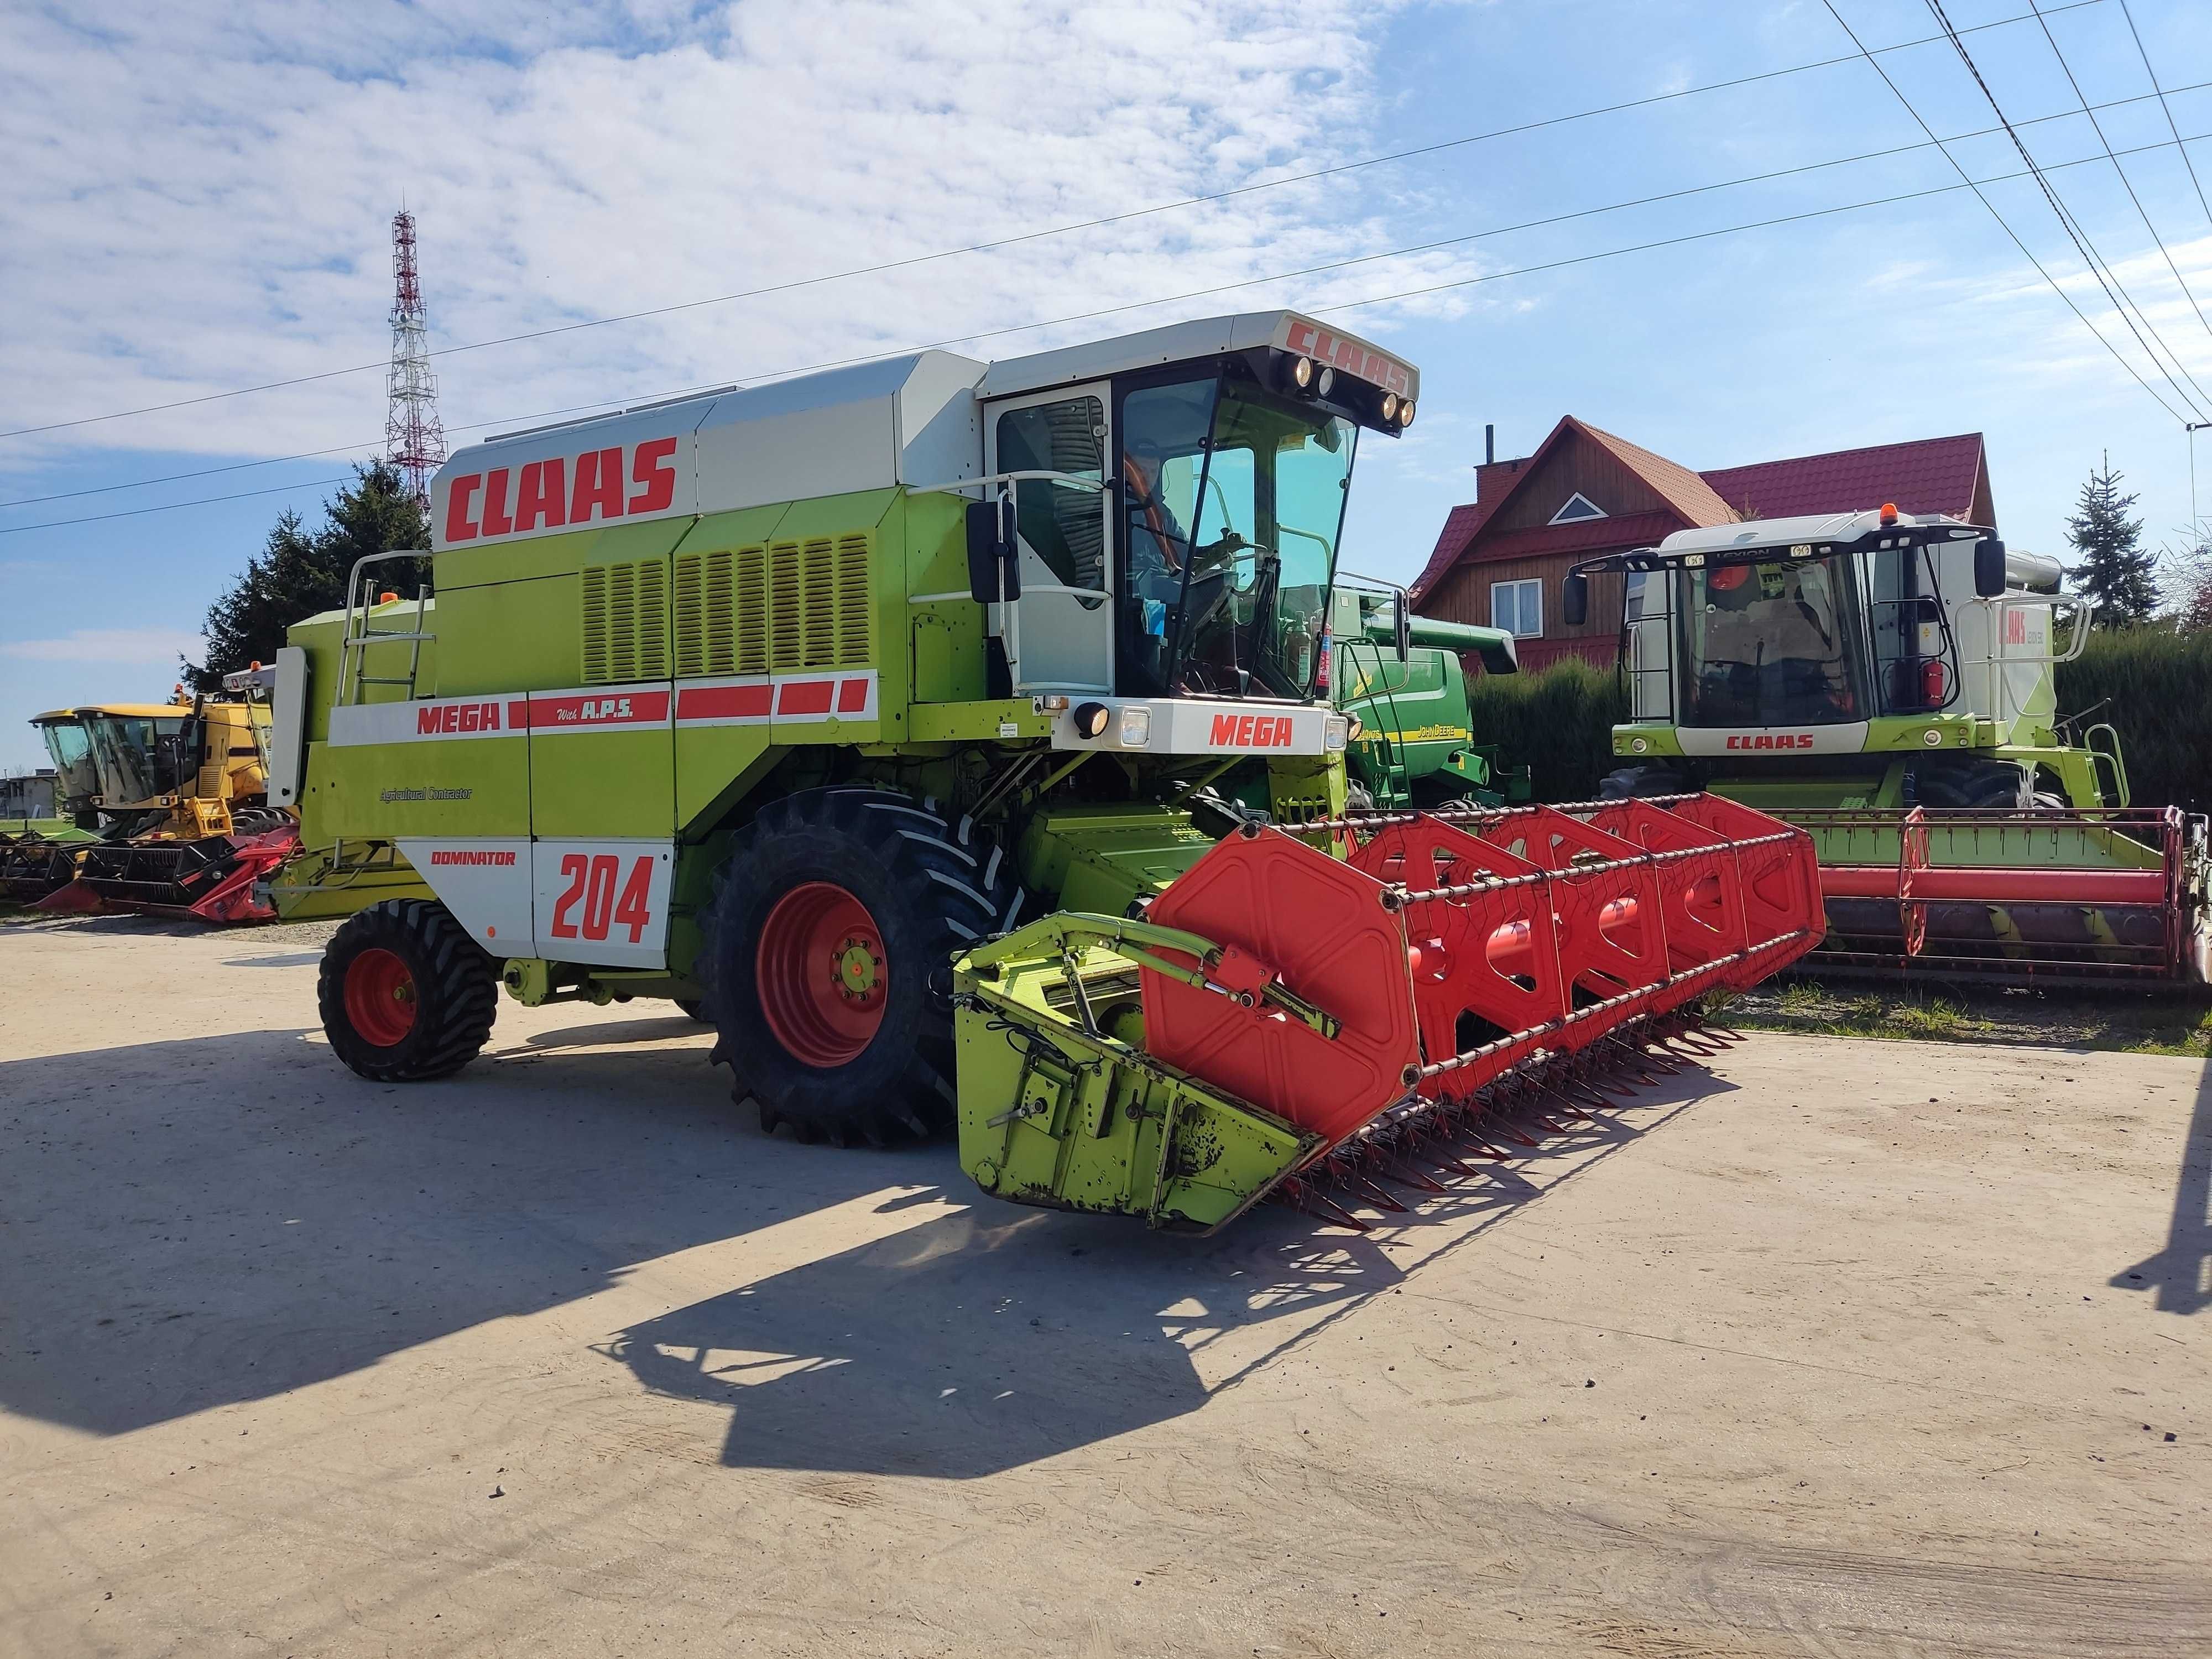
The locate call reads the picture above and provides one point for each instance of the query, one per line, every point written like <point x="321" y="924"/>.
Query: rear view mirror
<point x="1574" y="599"/>
<point x="1402" y="627"/>
<point x="1989" y="568"/>
<point x="993" y="573"/>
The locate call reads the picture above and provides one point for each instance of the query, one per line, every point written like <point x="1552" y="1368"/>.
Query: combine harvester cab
<point x="774" y="701"/>
<point x="39" y="858"/>
<point x="1887" y="682"/>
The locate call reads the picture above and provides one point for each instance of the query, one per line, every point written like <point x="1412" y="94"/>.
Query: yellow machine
<point x="172" y="771"/>
<point x="176" y="794"/>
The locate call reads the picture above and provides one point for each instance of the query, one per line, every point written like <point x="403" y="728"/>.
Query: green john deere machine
<point x="1413" y="740"/>
<point x="897" y="719"/>
<point x="1886" y="682"/>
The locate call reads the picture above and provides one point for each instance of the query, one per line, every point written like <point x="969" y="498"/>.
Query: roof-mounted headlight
<point x="1389" y="407"/>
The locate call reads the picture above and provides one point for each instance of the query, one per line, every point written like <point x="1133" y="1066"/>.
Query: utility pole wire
<point x="2099" y="267"/>
<point x="1138" y="304"/>
<point x="1037" y="235"/>
<point x="2141" y="211"/>
<point x="2000" y="218"/>
<point x="1499" y="230"/>
<point x="2168" y="108"/>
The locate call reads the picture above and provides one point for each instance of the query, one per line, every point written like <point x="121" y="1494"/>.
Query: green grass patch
<point x="2148" y="1025"/>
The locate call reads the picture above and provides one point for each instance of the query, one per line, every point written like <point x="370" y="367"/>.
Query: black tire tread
<point x="457" y="987"/>
<point x="962" y="888"/>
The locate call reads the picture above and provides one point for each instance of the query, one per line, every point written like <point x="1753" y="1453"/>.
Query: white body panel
<point x="1285" y="330"/>
<point x="907" y="421"/>
<point x="1191" y="725"/>
<point x="484" y="882"/>
<point x="288" y="728"/>
<point x="1058" y="640"/>
<point x="1774" y="740"/>
<point x="603" y="902"/>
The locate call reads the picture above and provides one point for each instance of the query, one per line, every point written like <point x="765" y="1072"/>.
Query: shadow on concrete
<point x="998" y="1336"/>
<point x="190" y="1223"/>
<point x="2181" y="1275"/>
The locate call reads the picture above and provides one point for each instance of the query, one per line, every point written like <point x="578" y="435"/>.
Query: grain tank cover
<point x="909" y="420"/>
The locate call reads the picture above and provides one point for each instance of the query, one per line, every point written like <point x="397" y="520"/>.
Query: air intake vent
<point x="787" y="606"/>
<point x="625" y="622"/>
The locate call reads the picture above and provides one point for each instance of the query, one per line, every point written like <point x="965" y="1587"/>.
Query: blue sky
<point x="199" y="200"/>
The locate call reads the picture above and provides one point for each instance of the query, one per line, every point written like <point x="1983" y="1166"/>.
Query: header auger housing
<point x="1308" y="1022"/>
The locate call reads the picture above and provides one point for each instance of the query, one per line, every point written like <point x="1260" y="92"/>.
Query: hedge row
<point x="2155" y="688"/>
<point x="2154" y="685"/>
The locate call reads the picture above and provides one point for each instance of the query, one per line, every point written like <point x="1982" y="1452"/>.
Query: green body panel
<point x="1101" y="859"/>
<point x="317" y="885"/>
<point x="534" y="624"/>
<point x="1416" y="740"/>
<point x="2059" y="843"/>
<point x="387" y="792"/>
<point x="602" y="783"/>
<point x="1053" y="1114"/>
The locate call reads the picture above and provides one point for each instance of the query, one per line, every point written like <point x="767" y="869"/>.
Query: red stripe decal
<point x="713" y="702"/>
<point x="517" y="715"/>
<point x="804" y="697"/>
<point x="852" y="697"/>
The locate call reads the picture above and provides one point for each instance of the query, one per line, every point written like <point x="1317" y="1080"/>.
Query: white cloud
<point x="202" y="192"/>
<point x="117" y="645"/>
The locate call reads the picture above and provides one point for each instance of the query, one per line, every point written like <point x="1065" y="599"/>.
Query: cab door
<point x="1059" y="634"/>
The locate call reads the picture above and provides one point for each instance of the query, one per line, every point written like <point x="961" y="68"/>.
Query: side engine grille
<point x="625" y="622"/>
<point x="774" y="609"/>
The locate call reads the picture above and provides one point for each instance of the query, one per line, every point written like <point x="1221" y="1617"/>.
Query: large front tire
<point x="406" y="994"/>
<point x="827" y="960"/>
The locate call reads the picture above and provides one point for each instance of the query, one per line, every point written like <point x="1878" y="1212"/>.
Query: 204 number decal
<point x="592" y="880"/>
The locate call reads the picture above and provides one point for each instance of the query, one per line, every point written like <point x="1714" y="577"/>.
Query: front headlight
<point x="1136" y="726"/>
<point x="1336" y="732"/>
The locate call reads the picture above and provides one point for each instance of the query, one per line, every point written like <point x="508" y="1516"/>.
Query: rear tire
<point x="827" y="959"/>
<point x="406" y="994"/>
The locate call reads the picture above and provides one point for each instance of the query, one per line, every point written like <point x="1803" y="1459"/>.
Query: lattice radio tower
<point x="413" y="440"/>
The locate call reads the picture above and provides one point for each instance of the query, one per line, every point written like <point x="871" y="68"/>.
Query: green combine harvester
<point x="1413" y="741"/>
<point x="955" y="739"/>
<point x="1887" y="682"/>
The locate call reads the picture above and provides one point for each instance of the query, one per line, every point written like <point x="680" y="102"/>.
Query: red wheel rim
<point x="823" y="974"/>
<point x="379" y="997"/>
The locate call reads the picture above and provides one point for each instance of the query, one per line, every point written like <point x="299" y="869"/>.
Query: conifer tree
<point x="298" y="572"/>
<point x="2116" y="569"/>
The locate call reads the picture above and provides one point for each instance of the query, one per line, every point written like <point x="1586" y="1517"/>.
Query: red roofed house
<point x="1500" y="558"/>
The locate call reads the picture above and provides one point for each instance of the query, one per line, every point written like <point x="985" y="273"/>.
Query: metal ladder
<point x="353" y="648"/>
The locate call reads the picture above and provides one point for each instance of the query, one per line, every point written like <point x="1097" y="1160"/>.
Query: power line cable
<point x="2168" y="108"/>
<point x="2002" y="224"/>
<point x="1031" y="235"/>
<point x="1138" y="304"/>
<point x="1500" y="230"/>
<point x="2128" y="185"/>
<point x="2099" y="267"/>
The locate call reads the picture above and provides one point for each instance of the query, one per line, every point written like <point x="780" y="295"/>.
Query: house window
<point x="1518" y="607"/>
<point x="1578" y="507"/>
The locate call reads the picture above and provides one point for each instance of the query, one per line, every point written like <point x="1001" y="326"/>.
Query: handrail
<point x="353" y="648"/>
